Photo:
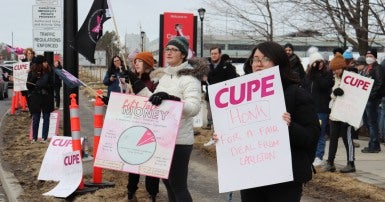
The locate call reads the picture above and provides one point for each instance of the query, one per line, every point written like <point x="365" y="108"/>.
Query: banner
<point x="138" y="137"/>
<point x="69" y="80"/>
<point x="20" y="75"/>
<point x="253" y="148"/>
<point x="348" y="108"/>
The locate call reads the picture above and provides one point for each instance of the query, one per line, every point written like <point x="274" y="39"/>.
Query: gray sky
<point x="129" y="15"/>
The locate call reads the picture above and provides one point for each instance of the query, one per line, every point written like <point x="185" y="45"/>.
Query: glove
<point x="105" y="100"/>
<point x="157" y="98"/>
<point x="338" y="92"/>
<point x="137" y="84"/>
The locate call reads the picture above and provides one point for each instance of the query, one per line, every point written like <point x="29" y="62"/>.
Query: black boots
<point x="349" y="168"/>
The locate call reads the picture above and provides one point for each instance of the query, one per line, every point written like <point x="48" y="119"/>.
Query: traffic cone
<point x="76" y="139"/>
<point x="98" y="125"/>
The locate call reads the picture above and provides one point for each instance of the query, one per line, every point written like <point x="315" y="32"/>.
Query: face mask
<point x="370" y="60"/>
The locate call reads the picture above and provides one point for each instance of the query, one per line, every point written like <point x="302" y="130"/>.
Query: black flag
<point x="92" y="29"/>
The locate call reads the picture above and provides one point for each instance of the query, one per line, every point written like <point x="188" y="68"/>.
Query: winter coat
<point x="40" y="92"/>
<point x="377" y="73"/>
<point x="296" y="66"/>
<point x="182" y="81"/>
<point x="223" y="72"/>
<point x="147" y="82"/>
<point x="304" y="131"/>
<point x="113" y="86"/>
<point x="319" y="86"/>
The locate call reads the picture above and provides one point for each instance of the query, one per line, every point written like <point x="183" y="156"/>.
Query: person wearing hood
<point x="179" y="81"/>
<point x="319" y="82"/>
<point x="295" y="61"/>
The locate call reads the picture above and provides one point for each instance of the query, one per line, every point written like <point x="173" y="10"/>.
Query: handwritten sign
<point x="20" y="75"/>
<point x="347" y="108"/>
<point x="138" y="137"/>
<point x="253" y="148"/>
<point x="70" y="177"/>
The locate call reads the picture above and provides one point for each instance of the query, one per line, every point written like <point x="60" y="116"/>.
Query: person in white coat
<point x="179" y="81"/>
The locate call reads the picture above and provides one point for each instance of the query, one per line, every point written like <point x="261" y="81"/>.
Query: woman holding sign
<point x="180" y="81"/>
<point x="301" y="118"/>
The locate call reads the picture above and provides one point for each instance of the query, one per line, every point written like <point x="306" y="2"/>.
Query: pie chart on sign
<point x="136" y="145"/>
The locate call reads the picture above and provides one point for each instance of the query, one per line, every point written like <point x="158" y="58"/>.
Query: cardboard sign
<point x="348" y="108"/>
<point x="253" y="148"/>
<point x="138" y="137"/>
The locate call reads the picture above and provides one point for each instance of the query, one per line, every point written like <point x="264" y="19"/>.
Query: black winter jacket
<point x="304" y="131"/>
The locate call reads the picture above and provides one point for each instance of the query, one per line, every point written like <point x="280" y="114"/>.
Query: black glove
<point x="105" y="100"/>
<point x="156" y="98"/>
<point x="338" y="92"/>
<point x="137" y="84"/>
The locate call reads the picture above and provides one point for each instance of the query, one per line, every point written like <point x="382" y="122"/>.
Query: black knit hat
<point x="181" y="43"/>
<point x="289" y="45"/>
<point x="372" y="51"/>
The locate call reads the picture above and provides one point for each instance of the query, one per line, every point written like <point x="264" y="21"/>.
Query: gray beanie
<point x="181" y="43"/>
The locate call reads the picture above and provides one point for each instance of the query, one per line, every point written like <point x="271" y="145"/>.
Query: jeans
<point x="324" y="118"/>
<point x="36" y="122"/>
<point x="381" y="118"/>
<point x="371" y="121"/>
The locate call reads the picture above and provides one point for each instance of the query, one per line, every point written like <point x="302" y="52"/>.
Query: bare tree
<point x="250" y="18"/>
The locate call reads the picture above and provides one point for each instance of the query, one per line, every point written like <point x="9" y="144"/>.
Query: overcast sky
<point x="129" y="14"/>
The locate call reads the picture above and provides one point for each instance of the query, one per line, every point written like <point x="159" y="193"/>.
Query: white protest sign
<point x="20" y="75"/>
<point x="53" y="129"/>
<point x="348" y="108"/>
<point x="253" y="148"/>
<point x="138" y="137"/>
<point x="71" y="176"/>
<point x="58" y="146"/>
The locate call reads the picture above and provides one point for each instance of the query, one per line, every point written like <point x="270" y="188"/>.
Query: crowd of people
<point x="309" y="92"/>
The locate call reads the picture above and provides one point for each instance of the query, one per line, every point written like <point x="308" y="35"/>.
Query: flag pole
<point x="119" y="46"/>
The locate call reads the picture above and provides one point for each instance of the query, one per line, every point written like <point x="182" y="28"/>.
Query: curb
<point x="10" y="183"/>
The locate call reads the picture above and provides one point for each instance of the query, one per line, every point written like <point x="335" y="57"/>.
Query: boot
<point x="131" y="197"/>
<point x="329" y="167"/>
<point x="349" y="168"/>
<point x="151" y="198"/>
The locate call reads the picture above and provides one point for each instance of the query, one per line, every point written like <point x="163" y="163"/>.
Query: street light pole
<point x="142" y="33"/>
<point x="201" y="12"/>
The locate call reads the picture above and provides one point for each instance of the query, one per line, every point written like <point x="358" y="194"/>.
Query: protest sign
<point x="70" y="177"/>
<point x="58" y="146"/>
<point x="138" y="137"/>
<point x="348" y="108"/>
<point x="253" y="148"/>
<point x="20" y="75"/>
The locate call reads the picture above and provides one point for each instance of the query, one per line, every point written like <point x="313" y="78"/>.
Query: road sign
<point x="48" y="40"/>
<point x="47" y="17"/>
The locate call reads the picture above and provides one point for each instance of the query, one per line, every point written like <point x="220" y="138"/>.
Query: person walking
<point x="339" y="128"/>
<point x="40" y="87"/>
<point x="179" y="81"/>
<point x="143" y="66"/>
<point x="302" y="121"/>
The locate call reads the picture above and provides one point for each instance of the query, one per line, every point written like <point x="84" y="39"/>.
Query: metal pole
<point x="142" y="43"/>
<point x="201" y="37"/>
<point x="70" y="58"/>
